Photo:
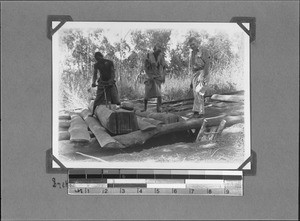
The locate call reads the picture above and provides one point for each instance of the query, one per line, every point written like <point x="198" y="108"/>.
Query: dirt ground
<point x="177" y="147"/>
<point x="171" y="148"/>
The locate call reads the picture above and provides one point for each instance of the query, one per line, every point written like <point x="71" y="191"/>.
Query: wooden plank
<point x="118" y="121"/>
<point x="78" y="130"/>
<point x="104" y="139"/>
<point x="228" y="98"/>
<point x="144" y="125"/>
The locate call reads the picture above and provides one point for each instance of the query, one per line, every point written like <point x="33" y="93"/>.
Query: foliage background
<point x="76" y="58"/>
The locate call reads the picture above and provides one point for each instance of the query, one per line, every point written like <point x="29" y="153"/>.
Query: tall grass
<point x="227" y="80"/>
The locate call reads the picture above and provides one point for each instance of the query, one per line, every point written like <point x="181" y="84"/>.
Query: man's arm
<point x="206" y="60"/>
<point x="94" y="77"/>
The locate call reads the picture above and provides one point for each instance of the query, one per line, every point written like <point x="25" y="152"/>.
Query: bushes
<point x="174" y="88"/>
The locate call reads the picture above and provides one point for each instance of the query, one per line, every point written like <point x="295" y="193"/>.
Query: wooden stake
<point x="220" y="129"/>
<point x="202" y="130"/>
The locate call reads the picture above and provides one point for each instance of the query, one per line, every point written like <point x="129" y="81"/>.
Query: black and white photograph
<point x="151" y="95"/>
<point x="150" y="110"/>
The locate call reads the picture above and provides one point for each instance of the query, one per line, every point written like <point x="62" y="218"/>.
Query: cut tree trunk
<point x="78" y="130"/>
<point x="140" y="137"/>
<point x="64" y="117"/>
<point x="104" y="139"/>
<point x="144" y="125"/>
<point x="117" y="121"/>
<point x="127" y="105"/>
<point x="153" y="121"/>
<point x="167" y="118"/>
<point x="64" y="123"/>
<point x="64" y="135"/>
<point x="230" y="110"/>
<point x="228" y="98"/>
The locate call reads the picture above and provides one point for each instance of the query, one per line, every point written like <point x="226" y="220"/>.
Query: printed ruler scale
<point x="155" y="182"/>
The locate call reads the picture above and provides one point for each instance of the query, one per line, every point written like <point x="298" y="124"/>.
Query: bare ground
<point x="179" y="147"/>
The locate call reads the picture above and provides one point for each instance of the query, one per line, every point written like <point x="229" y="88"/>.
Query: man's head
<point x="98" y="56"/>
<point x="193" y="43"/>
<point x="157" y="48"/>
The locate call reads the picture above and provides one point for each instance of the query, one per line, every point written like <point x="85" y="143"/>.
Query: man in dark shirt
<point x="107" y="90"/>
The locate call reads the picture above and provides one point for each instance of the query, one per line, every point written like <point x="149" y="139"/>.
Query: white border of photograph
<point x="120" y="27"/>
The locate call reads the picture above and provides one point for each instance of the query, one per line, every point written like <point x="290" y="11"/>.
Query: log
<point x="64" y="117"/>
<point x="153" y="121"/>
<point x="180" y="104"/>
<point x="228" y="110"/>
<point x="64" y="123"/>
<point x="104" y="139"/>
<point x="117" y="121"/>
<point x="136" y="137"/>
<point x="64" y="135"/>
<point x="226" y="104"/>
<point x="127" y="105"/>
<point x="161" y="117"/>
<point x="144" y="125"/>
<point x="177" y="101"/>
<point x="140" y="137"/>
<point x="166" y="118"/>
<point x="78" y="130"/>
<point x="228" y="98"/>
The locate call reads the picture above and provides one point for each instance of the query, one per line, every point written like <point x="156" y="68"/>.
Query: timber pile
<point x="129" y="126"/>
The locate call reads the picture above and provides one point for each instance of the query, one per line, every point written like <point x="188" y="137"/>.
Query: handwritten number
<point x="54" y="182"/>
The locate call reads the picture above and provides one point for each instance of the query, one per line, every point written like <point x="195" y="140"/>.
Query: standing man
<point x="155" y="66"/>
<point x="107" y="90"/>
<point x="199" y="64"/>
